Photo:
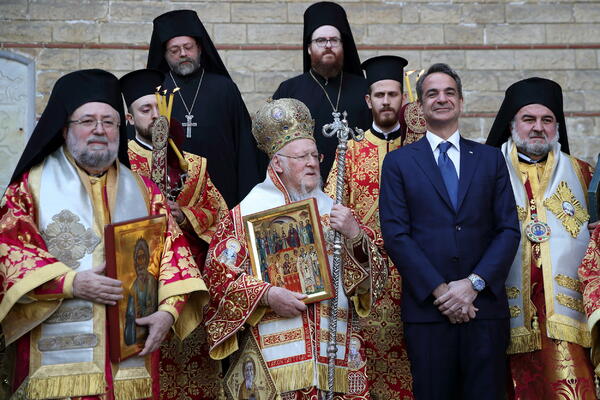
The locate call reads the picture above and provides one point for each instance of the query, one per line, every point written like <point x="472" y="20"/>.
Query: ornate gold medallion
<point x="565" y="206"/>
<point x="68" y="240"/>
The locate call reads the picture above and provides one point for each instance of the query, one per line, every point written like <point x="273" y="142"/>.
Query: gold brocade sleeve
<point x="365" y="271"/>
<point x="234" y="295"/>
<point x="25" y="266"/>
<point x="589" y="274"/>
<point x="179" y="274"/>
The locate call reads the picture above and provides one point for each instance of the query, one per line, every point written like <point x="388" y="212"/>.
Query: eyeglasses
<point x="176" y="50"/>
<point x="306" y="158"/>
<point x="322" y="42"/>
<point x="90" y="123"/>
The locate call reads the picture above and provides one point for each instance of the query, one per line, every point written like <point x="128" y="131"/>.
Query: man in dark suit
<point x="449" y="224"/>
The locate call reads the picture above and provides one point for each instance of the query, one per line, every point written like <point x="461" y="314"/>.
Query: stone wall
<point x="492" y="43"/>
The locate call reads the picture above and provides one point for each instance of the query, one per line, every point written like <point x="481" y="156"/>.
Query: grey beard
<point x="304" y="194"/>
<point x="89" y="159"/>
<point x="183" y="69"/>
<point x="534" y="149"/>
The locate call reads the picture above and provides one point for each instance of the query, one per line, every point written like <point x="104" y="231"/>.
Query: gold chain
<point x="337" y="103"/>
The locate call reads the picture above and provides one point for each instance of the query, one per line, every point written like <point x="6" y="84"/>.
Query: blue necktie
<point x="448" y="172"/>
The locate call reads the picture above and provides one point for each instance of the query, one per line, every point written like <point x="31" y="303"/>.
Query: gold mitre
<point x="278" y="122"/>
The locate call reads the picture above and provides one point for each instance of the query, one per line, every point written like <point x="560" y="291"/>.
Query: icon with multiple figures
<point x="287" y="249"/>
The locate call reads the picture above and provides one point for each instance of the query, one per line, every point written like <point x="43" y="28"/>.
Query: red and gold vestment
<point x="293" y="348"/>
<point x="186" y="370"/>
<point x="62" y="343"/>
<point x="388" y="367"/>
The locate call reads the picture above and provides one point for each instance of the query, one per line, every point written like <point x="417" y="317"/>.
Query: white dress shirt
<point x="453" y="151"/>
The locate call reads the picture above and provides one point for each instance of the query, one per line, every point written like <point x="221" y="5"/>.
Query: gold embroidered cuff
<point x="355" y="241"/>
<point x="68" y="284"/>
<point x="264" y="300"/>
<point x="170" y="309"/>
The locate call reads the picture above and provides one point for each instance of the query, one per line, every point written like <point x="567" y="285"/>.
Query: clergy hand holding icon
<point x="92" y="285"/>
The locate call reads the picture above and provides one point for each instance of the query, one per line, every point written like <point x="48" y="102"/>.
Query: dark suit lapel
<point x="424" y="159"/>
<point x="468" y="163"/>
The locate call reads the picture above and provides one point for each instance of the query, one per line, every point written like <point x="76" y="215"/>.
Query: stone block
<point x="586" y="12"/>
<point x="584" y="139"/>
<point x="591" y="100"/>
<point x="574" y="101"/>
<point x="254" y="101"/>
<point x="243" y="79"/>
<point x="45" y="80"/>
<point x="583" y="80"/>
<point x="380" y="34"/>
<point x="479" y="80"/>
<point x="230" y="33"/>
<point x="21" y="31"/>
<point x="515" y="34"/>
<point x="412" y="56"/>
<point x="269" y="81"/>
<point x="539" y="13"/>
<point x="275" y="33"/>
<point x="13" y="9"/>
<point x="260" y="13"/>
<point x="544" y="59"/>
<point x="454" y="58"/>
<point x="210" y="12"/>
<point x="482" y="13"/>
<point x="77" y="32"/>
<point x="470" y="127"/>
<point x="58" y="59"/>
<point x="558" y="76"/>
<point x="140" y="58"/>
<point x="384" y="13"/>
<point x="41" y="100"/>
<point x="130" y="33"/>
<point x="573" y="33"/>
<point x="440" y="14"/>
<point x="265" y="60"/>
<point x="482" y="101"/>
<point x="109" y="59"/>
<point x="68" y="10"/>
<point x="586" y="59"/>
<point x="295" y="12"/>
<point x="137" y="11"/>
<point x="356" y="13"/>
<point x="410" y="13"/>
<point x="463" y="34"/>
<point x="507" y="78"/>
<point x="490" y="59"/>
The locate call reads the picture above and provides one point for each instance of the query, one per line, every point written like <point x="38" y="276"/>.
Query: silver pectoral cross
<point x="188" y="125"/>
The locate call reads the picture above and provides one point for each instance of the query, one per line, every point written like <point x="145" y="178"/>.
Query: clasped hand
<point x="455" y="300"/>
<point x="342" y="220"/>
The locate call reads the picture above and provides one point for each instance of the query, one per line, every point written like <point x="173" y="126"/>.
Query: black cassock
<point x="352" y="100"/>
<point x="223" y="132"/>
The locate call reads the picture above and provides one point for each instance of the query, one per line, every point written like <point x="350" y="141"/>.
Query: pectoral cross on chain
<point x="188" y="125"/>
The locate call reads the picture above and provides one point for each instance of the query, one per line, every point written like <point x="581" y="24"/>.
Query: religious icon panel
<point x="133" y="253"/>
<point x="248" y="378"/>
<point x="287" y="249"/>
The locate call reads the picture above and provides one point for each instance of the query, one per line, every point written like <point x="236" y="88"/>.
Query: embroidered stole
<point x="561" y="203"/>
<point x="294" y="360"/>
<point x="68" y="351"/>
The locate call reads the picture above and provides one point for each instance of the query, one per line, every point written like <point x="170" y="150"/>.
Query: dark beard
<point x="328" y="70"/>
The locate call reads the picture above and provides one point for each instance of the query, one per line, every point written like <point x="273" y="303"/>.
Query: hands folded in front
<point x="455" y="300"/>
